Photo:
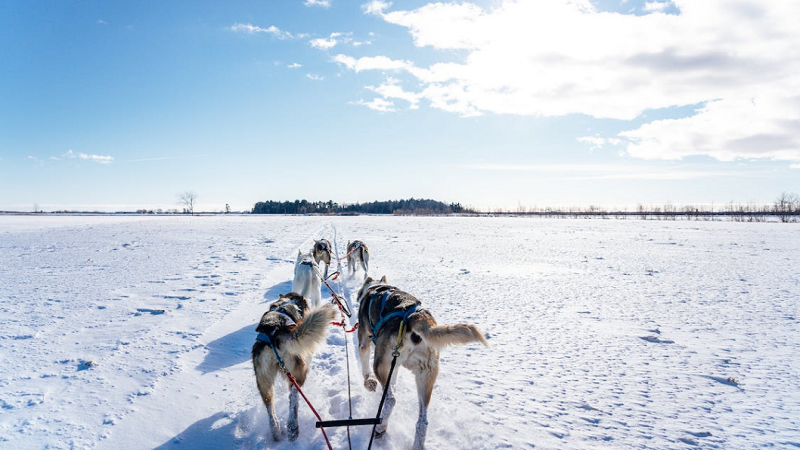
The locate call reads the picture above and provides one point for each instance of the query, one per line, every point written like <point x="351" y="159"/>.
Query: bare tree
<point x="187" y="199"/>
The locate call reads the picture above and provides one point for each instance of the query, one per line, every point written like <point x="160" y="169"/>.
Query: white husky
<point x="306" y="279"/>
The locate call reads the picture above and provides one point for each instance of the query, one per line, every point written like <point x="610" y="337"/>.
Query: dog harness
<point x="269" y="339"/>
<point x="382" y="319"/>
<point x="324" y="246"/>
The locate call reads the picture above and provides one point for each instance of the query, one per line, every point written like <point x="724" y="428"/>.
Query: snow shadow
<point x="281" y="288"/>
<point x="229" y="350"/>
<point x="203" y="434"/>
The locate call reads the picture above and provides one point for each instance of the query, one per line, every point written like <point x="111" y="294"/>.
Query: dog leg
<point x="425" y="379"/>
<point x="365" y="262"/>
<point x="265" y="379"/>
<point x="291" y="425"/>
<point x="382" y="370"/>
<point x="300" y="370"/>
<point x="363" y="354"/>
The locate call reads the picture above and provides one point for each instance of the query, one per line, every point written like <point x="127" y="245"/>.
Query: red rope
<point x="342" y="324"/>
<point x="324" y="434"/>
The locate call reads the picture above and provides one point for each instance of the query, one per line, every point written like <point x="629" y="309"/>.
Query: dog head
<point x="368" y="283"/>
<point x="295" y="307"/>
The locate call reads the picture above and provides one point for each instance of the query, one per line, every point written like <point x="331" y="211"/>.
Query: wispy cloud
<point x="598" y="142"/>
<point x="607" y="171"/>
<point x="378" y="104"/>
<point x="253" y="29"/>
<point x="321" y="3"/>
<point x="314" y="77"/>
<point x="101" y="159"/>
<point x="294" y="66"/>
<point x="101" y="22"/>
<point x="331" y="41"/>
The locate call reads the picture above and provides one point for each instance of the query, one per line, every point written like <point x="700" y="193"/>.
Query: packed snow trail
<point x="603" y="333"/>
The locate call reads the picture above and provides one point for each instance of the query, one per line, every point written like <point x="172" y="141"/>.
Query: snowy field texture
<point x="603" y="333"/>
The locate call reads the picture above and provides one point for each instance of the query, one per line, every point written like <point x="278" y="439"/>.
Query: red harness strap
<point x="297" y="386"/>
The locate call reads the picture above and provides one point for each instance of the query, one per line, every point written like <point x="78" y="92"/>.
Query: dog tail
<point x="440" y="336"/>
<point x="311" y="331"/>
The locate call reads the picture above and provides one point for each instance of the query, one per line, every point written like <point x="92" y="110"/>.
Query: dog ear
<point x="368" y="281"/>
<point x="383" y="279"/>
<point x="282" y="296"/>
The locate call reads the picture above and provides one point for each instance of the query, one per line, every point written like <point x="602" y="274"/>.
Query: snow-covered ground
<point x="603" y="333"/>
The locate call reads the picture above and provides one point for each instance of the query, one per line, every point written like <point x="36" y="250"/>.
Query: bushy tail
<point x="440" y="336"/>
<point x="312" y="331"/>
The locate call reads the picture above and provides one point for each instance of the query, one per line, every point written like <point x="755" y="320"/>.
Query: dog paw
<point x="380" y="432"/>
<point x="294" y="432"/>
<point x="371" y="384"/>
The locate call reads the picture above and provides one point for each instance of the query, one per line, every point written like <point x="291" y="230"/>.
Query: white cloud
<point x="314" y="77"/>
<point x="598" y="142"/>
<point x="656" y="6"/>
<point x="372" y="63"/>
<point x="331" y="41"/>
<point x="86" y="157"/>
<point x="375" y="7"/>
<point x="253" y="29"/>
<point x="607" y="171"/>
<point x="378" y="104"/>
<point x="322" y="3"/>
<point x="739" y="60"/>
<point x="294" y="66"/>
<point x="392" y="89"/>
<point x="101" y="22"/>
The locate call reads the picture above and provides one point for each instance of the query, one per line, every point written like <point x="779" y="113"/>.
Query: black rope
<point x="349" y="397"/>
<point x="383" y="398"/>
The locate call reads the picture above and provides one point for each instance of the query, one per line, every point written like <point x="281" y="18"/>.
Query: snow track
<point x="603" y="333"/>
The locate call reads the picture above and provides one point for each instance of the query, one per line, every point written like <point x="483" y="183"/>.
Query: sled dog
<point x="357" y="252"/>
<point x="306" y="279"/>
<point x="294" y="331"/>
<point x="382" y="309"/>
<point x="322" y="252"/>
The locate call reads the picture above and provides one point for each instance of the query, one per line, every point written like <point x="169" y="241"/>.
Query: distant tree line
<point x="786" y="208"/>
<point x="412" y="206"/>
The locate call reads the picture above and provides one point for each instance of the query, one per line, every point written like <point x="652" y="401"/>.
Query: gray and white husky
<point x="295" y="331"/>
<point x="322" y="253"/>
<point x="306" y="279"/>
<point x="380" y="313"/>
<point x="357" y="252"/>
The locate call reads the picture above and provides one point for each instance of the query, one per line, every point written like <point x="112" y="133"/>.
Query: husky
<point x="357" y="251"/>
<point x="322" y="253"/>
<point x="382" y="308"/>
<point x="295" y="331"/>
<point x="306" y="279"/>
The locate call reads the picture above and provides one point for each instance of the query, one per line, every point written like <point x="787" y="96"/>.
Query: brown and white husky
<point x="293" y="331"/>
<point x="381" y="310"/>
<point x="357" y="252"/>
<point x="322" y="253"/>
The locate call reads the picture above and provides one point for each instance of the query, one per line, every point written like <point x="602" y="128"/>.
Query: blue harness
<point x="270" y="338"/>
<point x="384" y="318"/>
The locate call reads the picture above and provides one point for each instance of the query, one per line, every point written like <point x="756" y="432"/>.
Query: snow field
<point x="603" y="333"/>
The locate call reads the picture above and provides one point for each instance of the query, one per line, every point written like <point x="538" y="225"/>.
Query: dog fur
<point x="420" y="352"/>
<point x="357" y="252"/>
<point x="295" y="338"/>
<point x="306" y="279"/>
<point x="322" y="253"/>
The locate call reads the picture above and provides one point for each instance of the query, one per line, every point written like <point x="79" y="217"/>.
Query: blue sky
<point x="123" y="105"/>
